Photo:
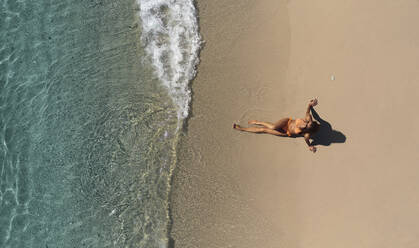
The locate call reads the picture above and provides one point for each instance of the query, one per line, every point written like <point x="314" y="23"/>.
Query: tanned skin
<point x="286" y="127"/>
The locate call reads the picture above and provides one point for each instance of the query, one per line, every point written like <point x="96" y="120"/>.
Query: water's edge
<point x="171" y="38"/>
<point x="179" y="84"/>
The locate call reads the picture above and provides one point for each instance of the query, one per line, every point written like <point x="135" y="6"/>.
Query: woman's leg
<point x="259" y="130"/>
<point x="262" y="123"/>
<point x="279" y="125"/>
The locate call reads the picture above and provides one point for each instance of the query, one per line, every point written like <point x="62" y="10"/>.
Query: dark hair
<point x="314" y="127"/>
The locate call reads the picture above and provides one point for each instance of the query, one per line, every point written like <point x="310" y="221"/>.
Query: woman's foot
<point x="236" y="126"/>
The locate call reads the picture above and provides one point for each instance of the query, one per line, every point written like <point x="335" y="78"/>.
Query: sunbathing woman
<point x="287" y="126"/>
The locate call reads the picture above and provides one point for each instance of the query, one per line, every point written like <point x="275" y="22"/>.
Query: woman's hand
<point x="313" y="102"/>
<point x="313" y="149"/>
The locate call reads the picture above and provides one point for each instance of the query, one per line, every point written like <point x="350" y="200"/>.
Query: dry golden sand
<point x="264" y="60"/>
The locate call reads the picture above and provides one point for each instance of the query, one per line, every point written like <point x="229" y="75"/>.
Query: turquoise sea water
<point x="87" y="128"/>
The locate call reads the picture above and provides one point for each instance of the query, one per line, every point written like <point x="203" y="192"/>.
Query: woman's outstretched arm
<point x="311" y="104"/>
<point x="310" y="146"/>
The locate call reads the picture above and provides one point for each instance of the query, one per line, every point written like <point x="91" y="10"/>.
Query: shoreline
<point x="196" y="147"/>
<point x="266" y="61"/>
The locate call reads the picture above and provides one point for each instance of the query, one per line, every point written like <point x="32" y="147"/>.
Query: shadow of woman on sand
<point x="326" y="135"/>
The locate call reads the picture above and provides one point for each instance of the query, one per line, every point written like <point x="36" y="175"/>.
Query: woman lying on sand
<point x="287" y="126"/>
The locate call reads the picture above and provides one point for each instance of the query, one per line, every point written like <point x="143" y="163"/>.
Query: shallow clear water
<point x="87" y="132"/>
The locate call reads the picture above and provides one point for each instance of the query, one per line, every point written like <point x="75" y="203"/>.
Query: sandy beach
<point x="265" y="60"/>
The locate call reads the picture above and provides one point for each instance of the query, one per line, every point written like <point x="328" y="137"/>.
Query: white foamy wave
<point x="171" y="38"/>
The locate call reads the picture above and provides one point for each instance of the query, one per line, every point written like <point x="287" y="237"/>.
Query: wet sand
<point x="265" y="60"/>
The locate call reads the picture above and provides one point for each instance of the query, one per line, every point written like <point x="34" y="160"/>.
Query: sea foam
<point x="170" y="35"/>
